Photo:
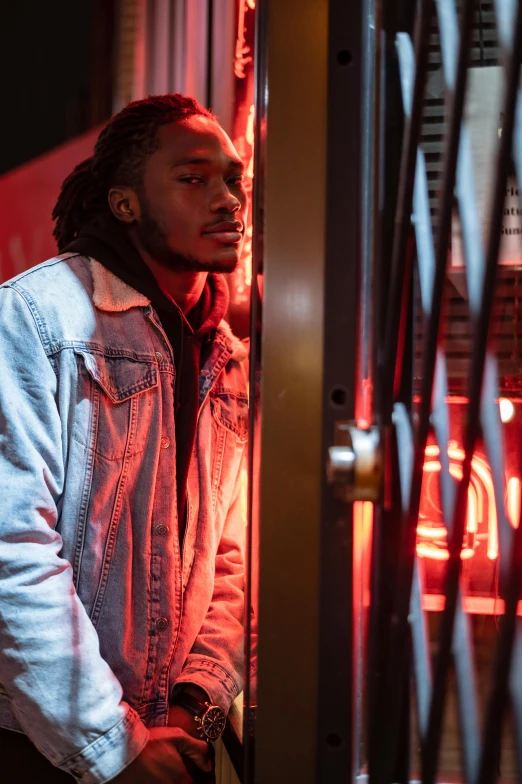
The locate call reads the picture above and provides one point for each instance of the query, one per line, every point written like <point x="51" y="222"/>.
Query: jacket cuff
<point x="109" y="754"/>
<point x="219" y="684"/>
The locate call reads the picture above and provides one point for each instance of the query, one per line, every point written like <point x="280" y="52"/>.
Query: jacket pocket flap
<point x="120" y="377"/>
<point x="230" y="409"/>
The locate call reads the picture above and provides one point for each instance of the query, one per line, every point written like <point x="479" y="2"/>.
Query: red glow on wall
<point x="363" y="532"/>
<point x="28" y="195"/>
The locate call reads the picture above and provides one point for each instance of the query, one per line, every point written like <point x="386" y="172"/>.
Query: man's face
<point x="193" y="203"/>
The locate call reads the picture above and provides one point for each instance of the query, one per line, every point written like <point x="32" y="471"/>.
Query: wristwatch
<point x="210" y="719"/>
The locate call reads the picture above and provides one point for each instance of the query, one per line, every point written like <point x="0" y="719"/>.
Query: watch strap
<point x="194" y="706"/>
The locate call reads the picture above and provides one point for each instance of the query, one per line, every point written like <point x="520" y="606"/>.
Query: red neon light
<point x="438" y="532"/>
<point x="513" y="501"/>
<point x="480" y="494"/>
<point x="426" y="550"/>
<point x="243" y="137"/>
<point x="479" y="605"/>
<point x="243" y="56"/>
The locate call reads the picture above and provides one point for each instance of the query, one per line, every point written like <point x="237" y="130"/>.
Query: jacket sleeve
<point x="215" y="662"/>
<point x="63" y="694"/>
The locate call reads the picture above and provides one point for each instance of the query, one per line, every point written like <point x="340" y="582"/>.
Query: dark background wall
<point x="56" y="73"/>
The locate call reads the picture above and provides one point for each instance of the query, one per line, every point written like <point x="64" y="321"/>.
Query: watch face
<point x="213" y="722"/>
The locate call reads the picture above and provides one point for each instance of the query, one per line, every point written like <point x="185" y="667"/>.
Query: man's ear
<point x="124" y="204"/>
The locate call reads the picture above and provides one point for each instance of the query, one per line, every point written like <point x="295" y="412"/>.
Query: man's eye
<point x="238" y="180"/>
<point x="191" y="180"/>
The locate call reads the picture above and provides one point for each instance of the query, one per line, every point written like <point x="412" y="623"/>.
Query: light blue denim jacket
<point x="101" y="612"/>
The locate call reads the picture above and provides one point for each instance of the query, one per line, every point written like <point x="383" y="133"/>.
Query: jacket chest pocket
<point x="117" y="392"/>
<point x="230" y="410"/>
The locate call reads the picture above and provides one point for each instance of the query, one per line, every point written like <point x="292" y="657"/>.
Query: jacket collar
<point x="112" y="295"/>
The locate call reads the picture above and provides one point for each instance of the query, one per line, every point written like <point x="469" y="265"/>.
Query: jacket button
<point x="165" y="442"/>
<point x="159" y="356"/>
<point x="161" y="624"/>
<point x="162" y="530"/>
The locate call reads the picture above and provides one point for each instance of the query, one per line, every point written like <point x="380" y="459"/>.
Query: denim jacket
<point x="102" y="612"/>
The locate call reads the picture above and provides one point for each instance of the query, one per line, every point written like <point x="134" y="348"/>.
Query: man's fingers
<point x="196" y="750"/>
<point x="177" y="767"/>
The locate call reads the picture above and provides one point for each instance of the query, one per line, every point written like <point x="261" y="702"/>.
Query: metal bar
<point x="456" y="82"/>
<point x="405" y="194"/>
<point x="336" y="700"/>
<point x="423" y="233"/>
<point x="421" y="653"/>
<point x="424" y="241"/>
<point x="480" y="330"/>
<point x="462" y="647"/>
<point x="369" y="194"/>
<point x="467" y="693"/>
<point x="390" y="133"/>
<point x="493" y="438"/>
<point x="515" y="690"/>
<point x="382" y="764"/>
<point x="365" y="408"/>
<point x="498" y="701"/>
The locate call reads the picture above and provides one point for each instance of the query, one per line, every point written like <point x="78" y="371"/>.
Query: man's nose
<point x="225" y="201"/>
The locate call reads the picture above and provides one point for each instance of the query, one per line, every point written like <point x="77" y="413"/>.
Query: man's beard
<point x="154" y="240"/>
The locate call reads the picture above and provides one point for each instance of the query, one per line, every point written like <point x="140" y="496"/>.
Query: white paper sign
<point x="483" y="118"/>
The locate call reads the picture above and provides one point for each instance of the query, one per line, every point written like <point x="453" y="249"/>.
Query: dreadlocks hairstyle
<point x="120" y="154"/>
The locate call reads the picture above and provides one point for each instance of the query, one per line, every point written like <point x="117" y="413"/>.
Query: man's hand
<point x="179" y="717"/>
<point x="161" y="761"/>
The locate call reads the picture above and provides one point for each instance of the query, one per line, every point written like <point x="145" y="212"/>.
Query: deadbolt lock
<point x="355" y="463"/>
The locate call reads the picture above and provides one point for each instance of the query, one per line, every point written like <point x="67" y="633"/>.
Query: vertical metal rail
<point x="371" y="140"/>
<point x="379" y="742"/>
<point x="383" y="762"/>
<point x="404" y="203"/>
<point x="336" y="735"/>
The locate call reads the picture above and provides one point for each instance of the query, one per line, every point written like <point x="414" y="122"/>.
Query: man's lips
<point x="226" y="231"/>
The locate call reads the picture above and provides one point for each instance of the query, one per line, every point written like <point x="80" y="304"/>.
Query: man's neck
<point x="184" y="287"/>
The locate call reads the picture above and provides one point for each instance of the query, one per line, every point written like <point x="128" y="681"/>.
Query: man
<point x="123" y="414"/>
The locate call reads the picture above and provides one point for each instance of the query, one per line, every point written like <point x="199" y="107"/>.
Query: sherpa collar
<point x="113" y="295"/>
